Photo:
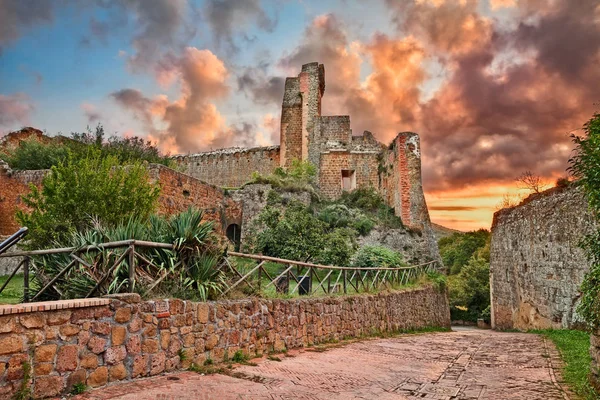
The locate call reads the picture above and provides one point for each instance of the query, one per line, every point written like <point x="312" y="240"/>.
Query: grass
<point x="13" y="293"/>
<point x="268" y="290"/>
<point x="574" y="347"/>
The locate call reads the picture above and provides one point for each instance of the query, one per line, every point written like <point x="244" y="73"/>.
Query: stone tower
<point x="300" y="110"/>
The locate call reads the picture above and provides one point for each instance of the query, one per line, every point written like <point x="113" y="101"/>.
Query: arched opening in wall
<point x="234" y="234"/>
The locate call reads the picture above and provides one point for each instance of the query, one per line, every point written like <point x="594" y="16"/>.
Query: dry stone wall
<point x="98" y="341"/>
<point x="536" y="264"/>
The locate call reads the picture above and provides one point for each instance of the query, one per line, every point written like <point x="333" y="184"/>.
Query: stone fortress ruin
<point x="343" y="162"/>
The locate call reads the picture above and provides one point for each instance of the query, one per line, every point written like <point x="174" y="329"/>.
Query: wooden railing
<point x="260" y="274"/>
<point x="296" y="277"/>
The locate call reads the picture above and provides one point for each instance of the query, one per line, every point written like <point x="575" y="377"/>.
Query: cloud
<point x="15" y="109"/>
<point x="18" y="16"/>
<point x="192" y="122"/>
<point x="505" y="101"/>
<point x="387" y="100"/>
<point x="451" y="208"/>
<point x="261" y="88"/>
<point x="91" y="113"/>
<point x="228" y="17"/>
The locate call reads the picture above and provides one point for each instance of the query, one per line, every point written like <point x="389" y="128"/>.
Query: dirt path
<point x="465" y="364"/>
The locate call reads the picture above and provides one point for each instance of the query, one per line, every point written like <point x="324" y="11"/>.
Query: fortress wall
<point x="230" y="167"/>
<point x="330" y="176"/>
<point x="536" y="264"/>
<point x="179" y="191"/>
<point x="14" y="185"/>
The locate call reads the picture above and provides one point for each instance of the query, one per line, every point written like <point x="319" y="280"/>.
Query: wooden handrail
<point x="319" y="266"/>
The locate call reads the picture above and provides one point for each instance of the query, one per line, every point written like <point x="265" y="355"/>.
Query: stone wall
<point x="180" y="191"/>
<point x="13" y="185"/>
<point x="332" y="163"/>
<point x="230" y="167"/>
<point x="98" y="341"/>
<point x="536" y="264"/>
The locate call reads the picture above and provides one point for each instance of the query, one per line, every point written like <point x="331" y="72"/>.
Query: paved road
<point x="465" y="364"/>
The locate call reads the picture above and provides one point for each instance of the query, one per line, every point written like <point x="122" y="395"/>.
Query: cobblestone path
<point x="465" y="364"/>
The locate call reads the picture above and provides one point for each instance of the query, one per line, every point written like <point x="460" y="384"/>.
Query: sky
<point x="493" y="87"/>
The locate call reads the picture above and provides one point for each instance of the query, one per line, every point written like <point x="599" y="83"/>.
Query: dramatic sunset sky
<point x="494" y="87"/>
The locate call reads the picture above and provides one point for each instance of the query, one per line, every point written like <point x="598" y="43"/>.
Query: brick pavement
<point x="465" y="365"/>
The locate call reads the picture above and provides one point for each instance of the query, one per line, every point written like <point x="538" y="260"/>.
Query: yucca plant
<point x="193" y="264"/>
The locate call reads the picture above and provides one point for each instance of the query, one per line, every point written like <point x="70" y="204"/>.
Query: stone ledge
<point x="51" y="305"/>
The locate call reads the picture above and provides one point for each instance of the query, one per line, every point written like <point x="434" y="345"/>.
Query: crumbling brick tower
<point x="345" y="162"/>
<point x="300" y="110"/>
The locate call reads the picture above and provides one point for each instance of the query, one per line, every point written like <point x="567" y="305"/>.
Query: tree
<point x="528" y="180"/>
<point x="79" y="190"/>
<point x="457" y="249"/>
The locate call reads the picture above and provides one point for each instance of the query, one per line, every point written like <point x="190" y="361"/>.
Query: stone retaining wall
<point x="595" y="365"/>
<point x="536" y="262"/>
<point x="98" y="341"/>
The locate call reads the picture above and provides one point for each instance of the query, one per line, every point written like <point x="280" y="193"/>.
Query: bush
<point x="367" y="199"/>
<point x="32" y="154"/>
<point x="457" y="249"/>
<point x="79" y="190"/>
<point x="191" y="268"/>
<point x="301" y="175"/>
<point x="295" y="233"/>
<point x="469" y="291"/>
<point x="584" y="167"/>
<point x="376" y="257"/>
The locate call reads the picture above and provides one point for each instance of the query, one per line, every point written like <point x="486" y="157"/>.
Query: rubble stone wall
<point x="536" y="264"/>
<point x="230" y="167"/>
<point x="98" y="341"/>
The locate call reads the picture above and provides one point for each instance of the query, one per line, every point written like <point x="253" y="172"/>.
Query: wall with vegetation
<point x="536" y="262"/>
<point x="98" y="341"/>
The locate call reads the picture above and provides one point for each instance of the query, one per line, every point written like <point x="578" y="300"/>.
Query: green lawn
<point x="574" y="347"/>
<point x="13" y="293"/>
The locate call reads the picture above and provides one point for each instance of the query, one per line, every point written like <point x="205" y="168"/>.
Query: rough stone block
<point x="45" y="353"/>
<point x="32" y="320"/>
<point x="99" y="377"/>
<point x="10" y="343"/>
<point x="48" y="386"/>
<point x="67" y="358"/>
<point x="118" y="336"/>
<point x="123" y="315"/>
<point x="118" y="372"/>
<point x="114" y="355"/>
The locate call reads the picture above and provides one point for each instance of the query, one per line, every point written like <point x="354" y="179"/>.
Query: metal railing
<point x="269" y="273"/>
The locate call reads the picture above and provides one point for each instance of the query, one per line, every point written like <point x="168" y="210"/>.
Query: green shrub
<point x="190" y="270"/>
<point x="377" y="256"/>
<point x="301" y="175"/>
<point x="469" y="291"/>
<point x="295" y="233"/>
<point x="79" y="190"/>
<point x="363" y="198"/>
<point x="584" y="167"/>
<point x="457" y="249"/>
<point x="32" y="154"/>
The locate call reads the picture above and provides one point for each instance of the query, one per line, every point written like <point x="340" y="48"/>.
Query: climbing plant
<point x="585" y="167"/>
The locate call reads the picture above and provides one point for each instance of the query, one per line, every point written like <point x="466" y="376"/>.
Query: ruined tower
<point x="299" y="112"/>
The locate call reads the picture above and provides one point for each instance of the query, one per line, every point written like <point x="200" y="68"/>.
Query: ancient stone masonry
<point x="98" y="341"/>
<point x="343" y="162"/>
<point x="230" y="167"/>
<point x="536" y="264"/>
